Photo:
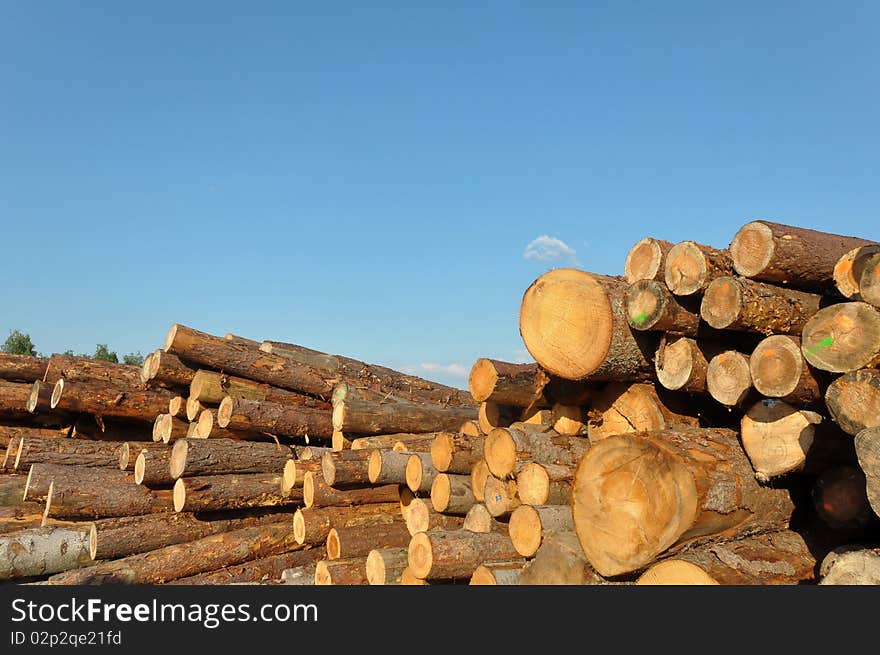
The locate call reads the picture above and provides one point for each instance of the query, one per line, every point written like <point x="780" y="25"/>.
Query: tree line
<point x="19" y="343"/>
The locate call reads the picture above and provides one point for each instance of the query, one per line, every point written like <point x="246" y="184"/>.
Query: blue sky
<point x="366" y="178"/>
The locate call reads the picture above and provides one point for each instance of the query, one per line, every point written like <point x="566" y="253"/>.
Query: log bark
<point x="574" y="324"/>
<point x="678" y="485"/>
<point x="312" y="525"/>
<point x="345" y="572"/>
<point x="152" y="468"/>
<point x="774" y="558"/>
<point x="206" y="428"/>
<point x="560" y="561"/>
<point x="497" y="573"/>
<point x="385" y="565"/>
<point x="506" y="450"/>
<point x="841" y="499"/>
<point x="531" y="524"/>
<point x="779" y="370"/>
<point x="791" y="256"/>
<point x="12" y="488"/>
<point x="681" y="364"/>
<point x="295" y="471"/>
<point x="478" y="479"/>
<point x="9" y="432"/>
<point x="317" y="493"/>
<point x="544" y="484"/>
<point x="843" y="337"/>
<point x="211" y="387"/>
<point x="420" y="473"/>
<point x="646" y="260"/>
<point x="452" y="452"/>
<point x="300" y="575"/>
<point x="195" y="457"/>
<point x="246" y="361"/>
<point x="231" y="491"/>
<point x="691" y="267"/>
<point x="411" y="442"/>
<point x="106" y="399"/>
<point x="729" y="378"/>
<point x="346" y="468"/>
<point x="70" y="452"/>
<point x="621" y="408"/>
<point x="650" y="306"/>
<point x="43" y="551"/>
<point x="777" y="437"/>
<point x="731" y="303"/>
<point x="867" y="444"/>
<point x="386" y="466"/>
<point x="500" y="497"/>
<point x="504" y="383"/>
<point x="22" y="368"/>
<point x="274" y="418"/>
<point x="14" y="399"/>
<point x="40" y="477"/>
<point x="366" y="417"/>
<point x="851" y="566"/>
<point x="454" y="554"/>
<point x="451" y="494"/>
<point x="358" y="541"/>
<point x="244" y="341"/>
<point x="421" y="517"/>
<point x="849" y="269"/>
<point x="23" y="517"/>
<point x="854" y="400"/>
<point x="181" y="560"/>
<point x="166" y="370"/>
<point x="96" y="371"/>
<point x="70" y="499"/>
<point x="869" y="284"/>
<point x="255" y="571"/>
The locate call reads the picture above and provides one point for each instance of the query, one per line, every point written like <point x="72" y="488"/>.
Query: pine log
<point x="779" y="370"/>
<point x="867" y="445"/>
<point x="851" y="565"/>
<point x="231" y="491"/>
<point x="152" y="468"/>
<point x="119" y="537"/>
<point x="312" y="525"/>
<point x="420" y="473"/>
<point x="849" y="269"/>
<point x="620" y="408"/>
<point x="681" y="364"/>
<point x="777" y="437"/>
<point x="729" y="378"/>
<point x="96" y="371"/>
<point x="854" y="400"/>
<point x="168" y="428"/>
<point x="11" y="452"/>
<point x="678" y="485"/>
<point x="346" y="467"/>
<point x="14" y="399"/>
<point x="194" y="408"/>
<point x="385" y="565"/>
<point x="408" y="579"/>
<point x="206" y="427"/>
<point x="560" y="560"/>
<point x="869" y="284"/>
<point x="357" y="541"/>
<point x="129" y="450"/>
<point x="843" y="337"/>
<point x="421" y="517"/>
<point x="366" y="417"/>
<point x="313" y="452"/>
<point x="246" y="361"/>
<point x="792" y="256"/>
<point x="193" y="457"/>
<point x="544" y="484"/>
<point x="451" y="494"/>
<point x="41" y="475"/>
<point x="491" y="415"/>
<point x="23" y="517"/>
<point x="274" y="418"/>
<point x="506" y="449"/>
<point x="43" y="551"/>
<point x="12" y="489"/>
<point x="412" y="442"/>
<point x="507" y="384"/>
<point x="478" y="479"/>
<point x="497" y="573"/>
<point x="569" y="420"/>
<point x="471" y="428"/>
<point x="530" y="524"/>
<point x="9" y="432"/>
<point x="691" y="266"/>
<point x="841" y="499"/>
<point x="646" y="260"/>
<point x="106" y="399"/>
<point x="386" y="466"/>
<point x="22" y="368"/>
<point x="574" y="324"/>
<point x="244" y="341"/>
<point x="90" y="500"/>
<point x="774" y="558"/>
<point x="300" y="575"/>
<point x="255" y="571"/>
<point x="317" y="493"/>
<point x="211" y="387"/>
<point x="500" y="497"/>
<point x="415" y="445"/>
<point x="295" y="471"/>
<point x="650" y="306"/>
<point x="452" y="452"/>
<point x="342" y="572"/>
<point x="454" y="554"/>
<point x="185" y="559"/>
<point x="166" y="370"/>
<point x="40" y="399"/>
<point x="71" y="452"/>
<point x="478" y="519"/>
<point x="177" y="407"/>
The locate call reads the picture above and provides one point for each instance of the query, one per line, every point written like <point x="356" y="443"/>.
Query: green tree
<point x="104" y="354"/>
<point x="133" y="359"/>
<point x="18" y="343"/>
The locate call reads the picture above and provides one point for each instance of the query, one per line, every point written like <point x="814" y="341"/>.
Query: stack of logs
<point x="711" y="417"/>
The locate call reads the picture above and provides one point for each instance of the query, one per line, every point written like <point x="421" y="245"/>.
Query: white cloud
<point x="547" y="248"/>
<point x="448" y="369"/>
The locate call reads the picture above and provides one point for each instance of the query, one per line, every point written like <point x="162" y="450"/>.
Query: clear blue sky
<point x="365" y="178"/>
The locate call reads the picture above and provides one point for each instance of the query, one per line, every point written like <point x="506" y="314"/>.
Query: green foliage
<point x="18" y="343"/>
<point x="133" y="359"/>
<point x="103" y="354"/>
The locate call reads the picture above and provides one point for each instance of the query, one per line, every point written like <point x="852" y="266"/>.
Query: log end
<point x="309" y="489"/>
<point x="170" y="337"/>
<point x="645" y="301"/>
<point x="328" y="468"/>
<point x="420" y="555"/>
<point x="34" y="397"/>
<point x="525" y="530"/>
<point x="179" y="495"/>
<point x="414" y="473"/>
<point x="533" y="484"/>
<point x="299" y="527"/>
<point x="722" y="302"/>
<point x="333" y="547"/>
<point x="93" y="542"/>
<point x="288" y="477"/>
<point x="374" y="466"/>
<point x="728" y="378"/>
<point x="441" y="451"/>
<point x="224" y="412"/>
<point x="479" y="473"/>
<point x="177" y="463"/>
<point x="499" y="451"/>
<point x="441" y="490"/>
<point x="205" y="424"/>
<point x="322" y="573"/>
<point x="418" y="516"/>
<point x="777" y="437"/>
<point x="338" y="415"/>
<point x="842" y="338"/>
<point x="675" y="572"/>
<point x="643" y="261"/>
<point x="752" y="248"/>
<point x="686" y="269"/>
<point x="57" y="392"/>
<point x="482" y="379"/>
<point x="140" y="466"/>
<point x="499" y="496"/>
<point x="675" y="367"/>
<point x="776" y="365"/>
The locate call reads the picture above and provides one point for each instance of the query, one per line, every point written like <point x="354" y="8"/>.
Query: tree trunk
<point x="574" y="324"/>
<point x="530" y="524"/>
<point x="295" y="471"/>
<point x="346" y="467"/>
<point x="544" y="484"/>
<point x="682" y="363"/>
<point x="181" y="560"/>
<point x="43" y="551"/>
<point x="358" y="541"/>
<point x="317" y="493"/>
<point x="70" y="452"/>
<point x="635" y="496"/>
<point x="106" y="399"/>
<point x="560" y="560"/>
<point x="385" y="565"/>
<point x="342" y="572"/>
<point x="497" y="573"/>
<point x="231" y="491"/>
<point x="774" y="558"/>
<point x="646" y="260"/>
<point x="500" y="497"/>
<point x="843" y="337"/>
<point x="41" y="475"/>
<point x="507" y="384"/>
<point x="777" y="437"/>
<point x="22" y="368"/>
<point x="193" y="457"/>
<point x="210" y="388"/>
<point x="650" y="306"/>
<point x="451" y="494"/>
<point x="851" y="566"/>
<point x="386" y="466"/>
<point x="849" y="269"/>
<point x="95" y="371"/>
<point x="505" y="450"/>
<point x="691" y="267"/>
<point x="166" y="370"/>
<point x="421" y="517"/>
<point x="869" y="284"/>
<point x="152" y="468"/>
<point x="246" y="361"/>
<point x="621" y="408"/>
<point x="256" y="571"/>
<point x="452" y="452"/>
<point x="867" y="443"/>
<point x="312" y="525"/>
<point x="274" y="418"/>
<point x="420" y="473"/>
<point x="454" y="554"/>
<point x="779" y="370"/>
<point x="792" y="256"/>
<point x="854" y="400"/>
<point x="732" y="303"/>
<point x="367" y="417"/>
<point x="841" y="499"/>
<point x="729" y="379"/>
<point x="72" y="499"/>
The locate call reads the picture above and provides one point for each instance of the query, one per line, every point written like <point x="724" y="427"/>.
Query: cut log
<point x="177" y="407"/>
<point x="317" y="493"/>
<point x="478" y="479"/>
<point x="452" y="452"/>
<point x="193" y="457"/>
<point x="774" y="558"/>
<point x="507" y="384"/>
<point x="507" y="449"/>
<point x="181" y="560"/>
<point x="729" y="379"/>
<point x="119" y="537"/>
<point x="312" y="525"/>
<point x="471" y="428"/>
<point x="70" y="452"/>
<point x="849" y="269"/>
<point x="106" y="399"/>
<point x="851" y="566"/>
<point x="367" y="417"/>
<point x="620" y="408"/>
<point x="386" y="467"/>
<point x="650" y="306"/>
<point x="300" y="575"/>
<point x="677" y="485"/>
<point x="841" y="499"/>
<point x="23" y="517"/>
<point x="560" y="561"/>
<point x="274" y="418"/>
<point x="342" y="572"/>
<point x="22" y="368"/>
<point x="70" y="499"/>
<point x="210" y="388"/>
<point x="530" y="524"/>
<point x="313" y="452"/>
<point x="194" y="408"/>
<point x="454" y="554"/>
<point x="358" y="541"/>
<point x="854" y="400"/>
<point x="12" y="490"/>
<point x="777" y="437"/>
<point x="421" y="517"/>
<point x="40" y="399"/>
<point x="168" y="428"/>
<point x="574" y="324"/>
<point x="408" y="579"/>
<point x="544" y="484"/>
<point x="413" y="445"/>
<point x="255" y="571"/>
<point x="731" y="303"/>
<point x="451" y="494"/>
<point x="206" y="427"/>
<point x="542" y="417"/>
<point x="166" y="370"/>
<point x="491" y="415"/>
<point x="96" y="371"/>
<point x="500" y="497"/>
<point x="569" y="420"/>
<point x="231" y="491"/>
<point x="420" y="473"/>
<point x="869" y="285"/>
<point x="646" y="260"/>
<point x="346" y="467"/>
<point x="43" y="551"/>
<point x="152" y="468"/>
<point x="385" y="565"/>
<point x="497" y="573"/>
<point x="478" y="519"/>
<point x="843" y="337"/>
<point x="411" y="442"/>
<point x="244" y="341"/>
<point x="40" y="477"/>
<point x="295" y="472"/>
<point x="9" y="432"/>
<point x="792" y="256"/>
<point x="14" y="398"/>
<point x="682" y="363"/>
<point x="779" y="370"/>
<point x="690" y="267"/>
<point x="867" y="444"/>
<point x="246" y="361"/>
